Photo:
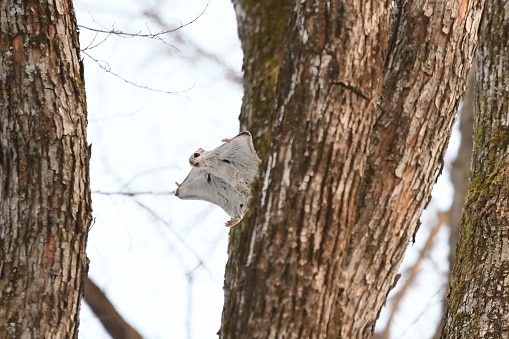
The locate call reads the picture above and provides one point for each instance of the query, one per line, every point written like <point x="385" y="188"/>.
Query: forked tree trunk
<point x="45" y="207"/>
<point x="479" y="288"/>
<point x="365" y="100"/>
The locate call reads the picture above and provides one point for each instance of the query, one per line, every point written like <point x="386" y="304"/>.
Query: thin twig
<point x="143" y="35"/>
<point x="412" y="273"/>
<point x="133" y="194"/>
<point x="105" y="67"/>
<point x="196" y="50"/>
<point x="200" y="262"/>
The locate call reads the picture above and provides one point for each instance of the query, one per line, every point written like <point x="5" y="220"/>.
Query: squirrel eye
<point x="196" y="155"/>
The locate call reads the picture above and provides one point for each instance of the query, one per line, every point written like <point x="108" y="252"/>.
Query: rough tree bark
<point x="261" y="28"/>
<point x="479" y="288"/>
<point x="44" y="178"/>
<point x="364" y="104"/>
<point x="460" y="177"/>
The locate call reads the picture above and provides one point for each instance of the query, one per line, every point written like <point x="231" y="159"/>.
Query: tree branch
<point x="112" y="321"/>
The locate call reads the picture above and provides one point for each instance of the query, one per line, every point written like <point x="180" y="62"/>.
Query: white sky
<point x="159" y="259"/>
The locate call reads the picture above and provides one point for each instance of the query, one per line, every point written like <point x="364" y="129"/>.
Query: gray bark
<point x="45" y="207"/>
<point x="364" y="104"/>
<point x="478" y="293"/>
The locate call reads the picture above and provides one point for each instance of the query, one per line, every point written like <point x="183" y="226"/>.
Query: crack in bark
<point x="353" y="89"/>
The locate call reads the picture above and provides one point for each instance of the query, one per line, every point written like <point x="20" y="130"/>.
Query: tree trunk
<point x="44" y="177"/>
<point x="365" y="102"/>
<point x="261" y="27"/>
<point x="478" y="292"/>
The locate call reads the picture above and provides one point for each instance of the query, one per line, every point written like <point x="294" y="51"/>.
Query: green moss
<point x="262" y="32"/>
<point x="488" y="184"/>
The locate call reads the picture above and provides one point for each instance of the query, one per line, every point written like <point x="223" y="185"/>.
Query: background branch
<point x="112" y="321"/>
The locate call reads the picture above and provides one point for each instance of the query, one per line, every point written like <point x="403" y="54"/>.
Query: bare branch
<point x="460" y="177"/>
<point x="229" y="72"/>
<point x="460" y="167"/>
<point x="200" y="261"/>
<point x="412" y="273"/>
<point x="138" y="34"/>
<point x="112" y="321"/>
<point x="133" y="194"/>
<point x="105" y="66"/>
<point x="91" y="44"/>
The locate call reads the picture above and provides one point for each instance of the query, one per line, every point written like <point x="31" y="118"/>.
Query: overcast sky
<point x="159" y="259"/>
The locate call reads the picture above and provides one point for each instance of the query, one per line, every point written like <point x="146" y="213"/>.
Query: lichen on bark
<point x="478" y="293"/>
<point x="358" y="123"/>
<point x="44" y="173"/>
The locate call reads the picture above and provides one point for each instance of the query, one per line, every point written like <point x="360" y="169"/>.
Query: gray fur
<point x="223" y="176"/>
